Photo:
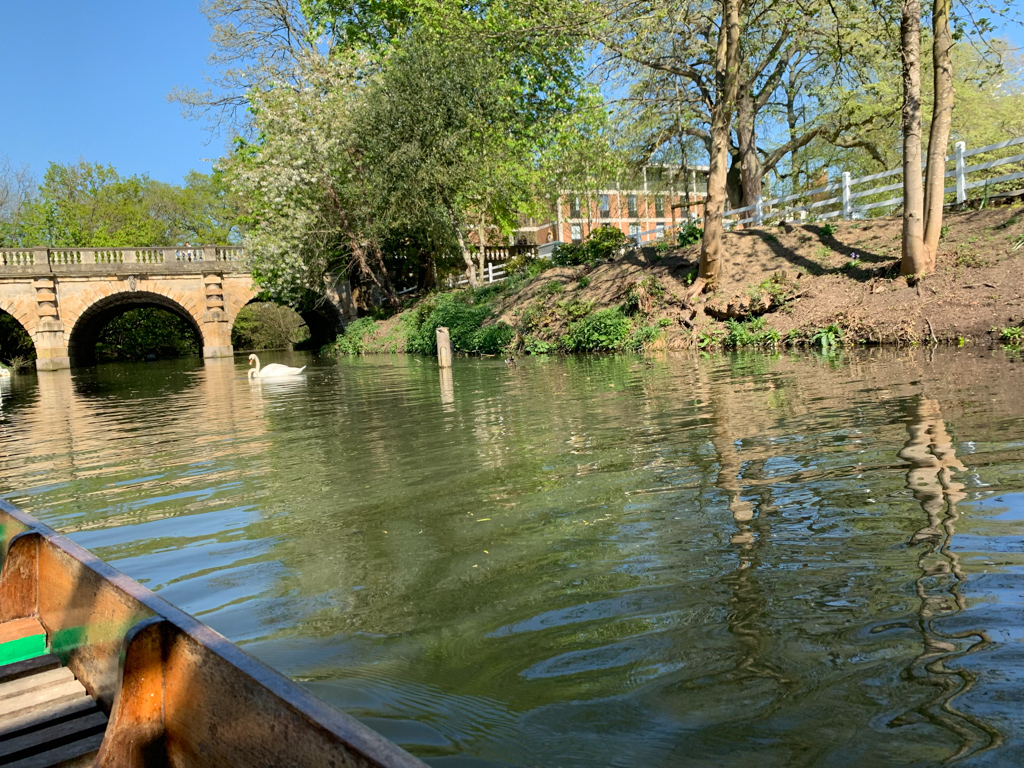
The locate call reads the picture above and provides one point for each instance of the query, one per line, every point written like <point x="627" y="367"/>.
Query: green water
<point x="735" y="561"/>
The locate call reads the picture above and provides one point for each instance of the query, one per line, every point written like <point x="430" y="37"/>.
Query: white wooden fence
<point x="850" y="191"/>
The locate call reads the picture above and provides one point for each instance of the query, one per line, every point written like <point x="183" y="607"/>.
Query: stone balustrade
<point x="179" y="259"/>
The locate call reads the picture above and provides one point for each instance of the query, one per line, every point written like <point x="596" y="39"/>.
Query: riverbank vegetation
<point x="792" y="285"/>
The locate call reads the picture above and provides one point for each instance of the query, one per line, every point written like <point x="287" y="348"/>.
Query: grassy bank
<point x="785" y="285"/>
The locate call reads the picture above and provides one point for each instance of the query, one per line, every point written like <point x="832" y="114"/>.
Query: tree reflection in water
<point x="929" y="451"/>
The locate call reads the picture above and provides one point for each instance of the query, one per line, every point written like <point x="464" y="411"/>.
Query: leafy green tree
<point x="16" y="187"/>
<point x="92" y="205"/>
<point x="302" y="187"/>
<point x="448" y="139"/>
<point x="144" y="332"/>
<point x="449" y="110"/>
<point x="264" y="325"/>
<point x="89" y="204"/>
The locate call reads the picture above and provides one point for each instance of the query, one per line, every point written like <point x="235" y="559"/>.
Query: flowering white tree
<point x="303" y="187"/>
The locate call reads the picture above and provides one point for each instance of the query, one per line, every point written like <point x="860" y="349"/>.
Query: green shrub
<point x="604" y="331"/>
<point x="710" y="337"/>
<point x="569" y="255"/>
<point x="464" y="314"/>
<point x="577" y="309"/>
<point x="750" y="333"/>
<point x="690" y="234"/>
<point x="665" y="322"/>
<point x="603" y="243"/>
<point x="492" y="339"/>
<point x="828" y="337"/>
<point x="641" y="336"/>
<point x="553" y="287"/>
<point x="264" y="325"/>
<point x="584" y="281"/>
<point x="454" y="310"/>
<point x="353" y="340"/>
<point x="534" y="346"/>
<point x="643" y="295"/>
<point x="1012" y="336"/>
<point x="827" y="230"/>
<point x="146" y="331"/>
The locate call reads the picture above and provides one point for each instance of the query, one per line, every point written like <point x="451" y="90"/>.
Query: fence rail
<point x="844" y="202"/>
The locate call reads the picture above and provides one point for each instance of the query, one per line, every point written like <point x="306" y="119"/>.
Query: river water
<point x="766" y="560"/>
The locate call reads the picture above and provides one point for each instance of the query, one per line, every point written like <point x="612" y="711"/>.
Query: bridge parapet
<point x="176" y="260"/>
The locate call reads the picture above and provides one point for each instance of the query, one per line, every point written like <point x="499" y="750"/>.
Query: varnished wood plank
<point x="34" y="682"/>
<point x="22" y="722"/>
<point x="20" y="669"/>
<point x="70" y="730"/>
<point x="39" y="698"/>
<point x="19" y="628"/>
<point x="67" y="754"/>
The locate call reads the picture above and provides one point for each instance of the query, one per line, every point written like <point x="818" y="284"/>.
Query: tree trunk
<point x="734" y="181"/>
<point x="481" y="234"/>
<point x="915" y="260"/>
<point x="750" y="163"/>
<point x="726" y="61"/>
<point x="467" y="257"/>
<point x="792" y="119"/>
<point x="938" y="138"/>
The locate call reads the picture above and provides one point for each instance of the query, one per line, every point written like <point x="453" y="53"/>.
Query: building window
<point x="659" y="207"/>
<point x="605" y="206"/>
<point x="631" y="202"/>
<point x="574" y="208"/>
<point x="634" y="229"/>
<point x="577" y="232"/>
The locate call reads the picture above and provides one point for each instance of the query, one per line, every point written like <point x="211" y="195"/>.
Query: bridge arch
<point x="86" y="326"/>
<point x="15" y="331"/>
<point x="324" y="322"/>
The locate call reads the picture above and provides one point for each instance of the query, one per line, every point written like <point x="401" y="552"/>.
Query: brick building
<point x="653" y="201"/>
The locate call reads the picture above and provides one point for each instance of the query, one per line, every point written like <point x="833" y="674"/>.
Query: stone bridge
<point x="63" y="297"/>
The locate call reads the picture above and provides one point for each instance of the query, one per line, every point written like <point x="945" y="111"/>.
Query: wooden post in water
<point x="444" y="348"/>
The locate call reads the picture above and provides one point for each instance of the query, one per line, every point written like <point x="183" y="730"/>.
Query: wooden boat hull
<point x="177" y="693"/>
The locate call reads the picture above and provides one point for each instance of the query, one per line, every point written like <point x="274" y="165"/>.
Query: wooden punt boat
<point x="97" y="670"/>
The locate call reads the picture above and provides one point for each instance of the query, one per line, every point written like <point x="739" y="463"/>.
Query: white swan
<point x="274" y="369"/>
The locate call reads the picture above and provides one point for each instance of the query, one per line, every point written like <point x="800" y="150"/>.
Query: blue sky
<point x="89" y="79"/>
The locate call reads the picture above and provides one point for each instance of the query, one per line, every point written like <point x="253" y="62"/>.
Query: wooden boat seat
<point x="47" y="718"/>
<point x="177" y="694"/>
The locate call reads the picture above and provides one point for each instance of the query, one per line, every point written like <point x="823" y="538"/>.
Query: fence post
<point x="961" y="175"/>
<point x="847" y="203"/>
<point x="490" y="272"/>
<point x="759" y="211"/>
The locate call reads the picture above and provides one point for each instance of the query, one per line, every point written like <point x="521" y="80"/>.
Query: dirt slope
<point x="848" y="278"/>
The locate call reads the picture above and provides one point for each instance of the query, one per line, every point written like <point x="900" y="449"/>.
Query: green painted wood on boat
<point x="22" y="648"/>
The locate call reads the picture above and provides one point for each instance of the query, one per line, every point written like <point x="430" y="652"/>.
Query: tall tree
<point x="726" y="85"/>
<point x="942" y="119"/>
<point x="16" y="189"/>
<point x="915" y="259"/>
<point x="302" y="189"/>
